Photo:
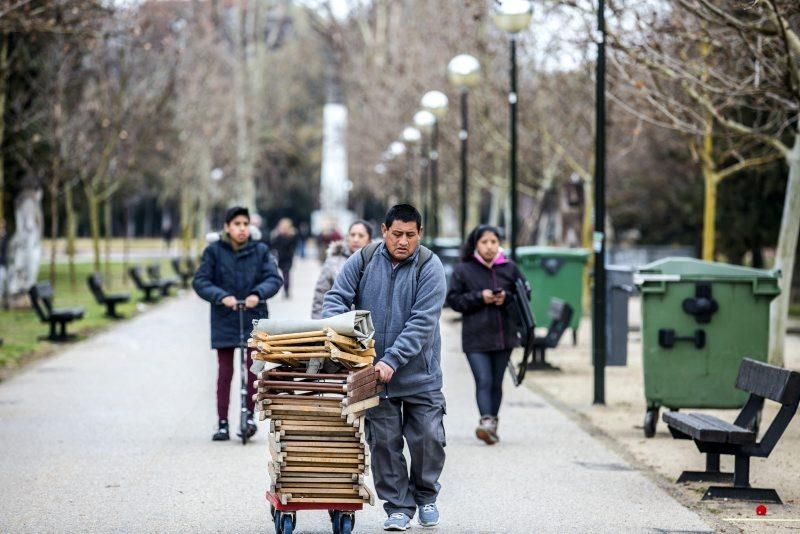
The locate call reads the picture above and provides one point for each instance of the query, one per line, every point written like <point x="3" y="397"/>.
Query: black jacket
<point x="222" y="272"/>
<point x="284" y="245"/>
<point x="486" y="327"/>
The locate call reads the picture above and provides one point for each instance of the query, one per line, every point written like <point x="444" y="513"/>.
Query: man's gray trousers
<point x="418" y="419"/>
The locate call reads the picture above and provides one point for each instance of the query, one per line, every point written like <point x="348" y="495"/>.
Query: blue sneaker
<point x="397" y="521"/>
<point x="428" y="515"/>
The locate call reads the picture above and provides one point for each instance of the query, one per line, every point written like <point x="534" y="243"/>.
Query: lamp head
<point x="512" y="16"/>
<point x="435" y="102"/>
<point x="464" y="71"/>
<point x="424" y="120"/>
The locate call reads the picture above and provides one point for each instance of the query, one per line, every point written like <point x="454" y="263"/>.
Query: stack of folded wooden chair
<point x="296" y="349"/>
<point x="316" y="441"/>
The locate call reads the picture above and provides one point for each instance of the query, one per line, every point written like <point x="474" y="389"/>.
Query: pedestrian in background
<point x="358" y="236"/>
<point x="479" y="289"/>
<point x="234" y="267"/>
<point x="303" y="233"/>
<point x="284" y="243"/>
<point x="328" y="235"/>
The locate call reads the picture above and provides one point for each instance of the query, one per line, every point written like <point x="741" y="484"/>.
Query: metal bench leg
<point x="741" y="489"/>
<point x="711" y="474"/>
<point x="111" y="310"/>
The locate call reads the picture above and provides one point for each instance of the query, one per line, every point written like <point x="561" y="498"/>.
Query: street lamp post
<point x="397" y="149"/>
<point x="599" y="295"/>
<point x="513" y="16"/>
<point x="424" y="121"/>
<point x="464" y="72"/>
<point x="436" y="103"/>
<point x="411" y="136"/>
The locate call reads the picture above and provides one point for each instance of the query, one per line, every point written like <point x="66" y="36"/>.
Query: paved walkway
<point x="113" y="434"/>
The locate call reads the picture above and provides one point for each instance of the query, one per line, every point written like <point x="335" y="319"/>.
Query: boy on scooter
<point x="235" y="268"/>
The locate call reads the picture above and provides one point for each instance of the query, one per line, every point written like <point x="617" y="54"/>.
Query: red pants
<point x="226" y="360"/>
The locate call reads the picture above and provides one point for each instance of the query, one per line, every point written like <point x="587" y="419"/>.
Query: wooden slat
<point x="360" y="406"/>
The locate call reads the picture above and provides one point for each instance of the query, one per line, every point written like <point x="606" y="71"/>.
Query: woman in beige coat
<point x="358" y="236"/>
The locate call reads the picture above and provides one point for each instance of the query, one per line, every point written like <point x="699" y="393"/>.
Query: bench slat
<point x="769" y="381"/>
<point x="706" y="427"/>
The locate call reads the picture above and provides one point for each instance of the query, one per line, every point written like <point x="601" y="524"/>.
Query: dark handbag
<point x="527" y="324"/>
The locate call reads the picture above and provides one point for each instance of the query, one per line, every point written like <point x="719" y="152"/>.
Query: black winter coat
<point x="284" y="245"/>
<point x="223" y="272"/>
<point x="486" y="327"/>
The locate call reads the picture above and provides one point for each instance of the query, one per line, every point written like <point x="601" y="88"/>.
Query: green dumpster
<point x="554" y="272"/>
<point x="699" y="319"/>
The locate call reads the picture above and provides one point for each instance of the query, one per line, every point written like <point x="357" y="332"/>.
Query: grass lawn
<point x="20" y="329"/>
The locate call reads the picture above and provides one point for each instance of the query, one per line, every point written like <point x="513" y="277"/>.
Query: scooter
<point x="243" y="371"/>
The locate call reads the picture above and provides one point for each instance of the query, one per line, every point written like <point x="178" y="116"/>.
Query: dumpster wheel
<point x="650" y="422"/>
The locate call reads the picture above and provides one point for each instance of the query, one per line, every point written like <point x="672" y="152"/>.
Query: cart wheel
<point x="650" y="422"/>
<point x="335" y="518"/>
<point x="277" y="520"/>
<point x="346" y="524"/>
<point x="288" y="524"/>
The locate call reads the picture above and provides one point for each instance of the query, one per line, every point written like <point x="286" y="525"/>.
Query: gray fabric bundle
<point x="356" y="324"/>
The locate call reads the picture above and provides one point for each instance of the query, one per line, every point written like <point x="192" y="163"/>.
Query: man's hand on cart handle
<point x="385" y="372"/>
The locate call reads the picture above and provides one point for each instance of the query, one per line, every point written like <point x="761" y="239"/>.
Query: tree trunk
<point x="107" y="234"/>
<point x="710" y="201"/>
<point x="3" y="84"/>
<point x="71" y="230"/>
<point x="94" y="226"/>
<point x="186" y="218"/>
<point x="785" y="255"/>
<point x="25" y="247"/>
<point x="54" y="220"/>
<point x="245" y="188"/>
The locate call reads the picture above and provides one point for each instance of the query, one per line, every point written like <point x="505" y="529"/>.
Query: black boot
<point x="222" y="433"/>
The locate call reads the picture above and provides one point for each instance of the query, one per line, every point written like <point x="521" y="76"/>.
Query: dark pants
<point x="418" y="419"/>
<point x="488" y="369"/>
<point x="226" y="360"/>
<point x="285" y="272"/>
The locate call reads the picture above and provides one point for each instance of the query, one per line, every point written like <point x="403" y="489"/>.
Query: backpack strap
<point x="367" y="253"/>
<point x="425" y="254"/>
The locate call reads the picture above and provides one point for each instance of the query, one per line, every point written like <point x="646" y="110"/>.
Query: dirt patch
<point x="620" y="424"/>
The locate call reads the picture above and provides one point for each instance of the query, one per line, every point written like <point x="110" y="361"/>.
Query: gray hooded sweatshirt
<point x="406" y="315"/>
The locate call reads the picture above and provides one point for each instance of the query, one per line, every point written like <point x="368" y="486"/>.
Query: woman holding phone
<point x="480" y="289"/>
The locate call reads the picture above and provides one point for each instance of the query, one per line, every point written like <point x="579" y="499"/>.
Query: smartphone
<point x="497" y="291"/>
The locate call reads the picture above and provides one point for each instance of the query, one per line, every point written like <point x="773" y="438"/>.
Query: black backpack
<point x="367" y="253"/>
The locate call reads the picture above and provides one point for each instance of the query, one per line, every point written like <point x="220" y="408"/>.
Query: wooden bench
<point x="146" y="287"/>
<point x="184" y="274"/>
<point x="560" y="315"/>
<point x="110" y="300"/>
<point x="164" y="284"/>
<point x="41" y="296"/>
<point x="714" y="436"/>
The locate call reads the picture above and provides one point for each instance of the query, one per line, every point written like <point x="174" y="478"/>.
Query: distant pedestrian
<point x="479" y="289"/>
<point x="166" y="230"/>
<point x="303" y="234"/>
<point x="358" y="236"/>
<point x="402" y="284"/>
<point x="234" y="267"/>
<point x="284" y="243"/>
<point x="328" y="235"/>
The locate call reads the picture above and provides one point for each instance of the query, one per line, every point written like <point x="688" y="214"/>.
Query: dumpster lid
<point x="675" y="269"/>
<point x="553" y="252"/>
